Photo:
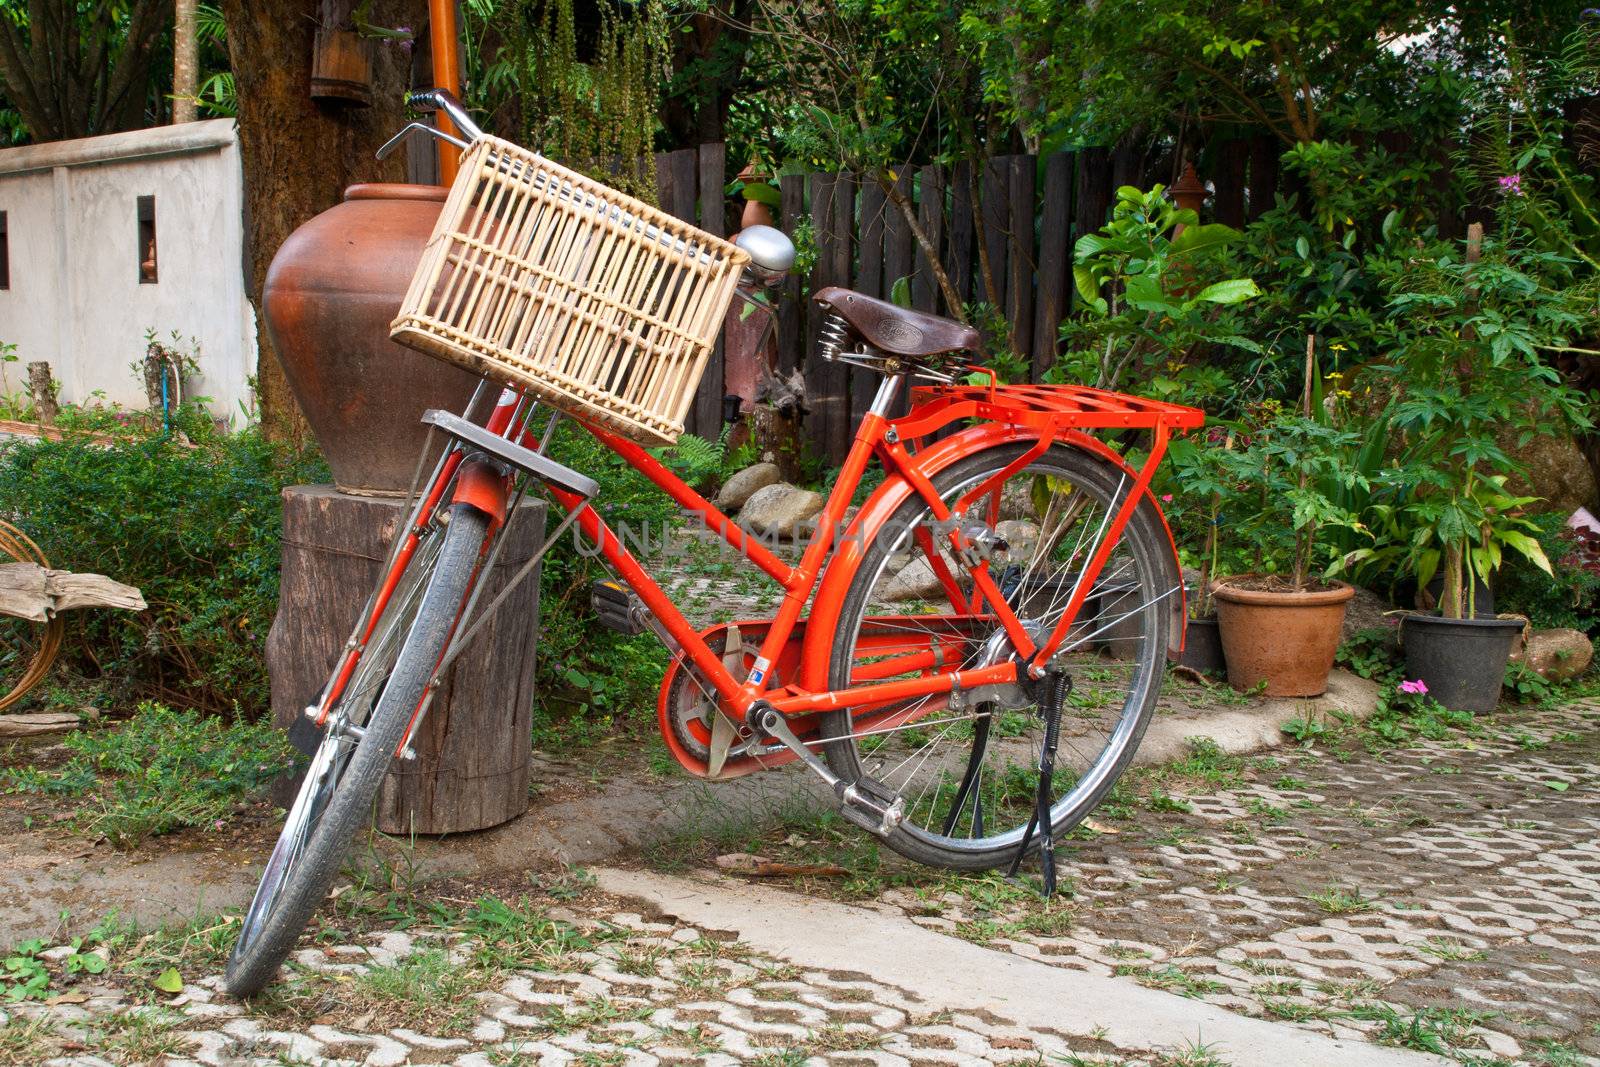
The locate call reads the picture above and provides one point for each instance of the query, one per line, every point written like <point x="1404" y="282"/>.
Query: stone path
<point x="1445" y="895"/>
<point x="650" y="992"/>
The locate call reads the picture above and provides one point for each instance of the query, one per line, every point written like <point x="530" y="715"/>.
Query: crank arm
<point x="868" y="803"/>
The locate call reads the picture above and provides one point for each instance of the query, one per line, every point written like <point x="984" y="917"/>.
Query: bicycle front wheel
<point x="361" y="735"/>
<point x="966" y="765"/>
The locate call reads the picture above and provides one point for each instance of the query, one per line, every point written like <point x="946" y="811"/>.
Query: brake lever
<point x="444" y="100"/>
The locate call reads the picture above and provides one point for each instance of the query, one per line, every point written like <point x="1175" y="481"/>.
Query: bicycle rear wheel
<point x="361" y="736"/>
<point x="966" y="765"/>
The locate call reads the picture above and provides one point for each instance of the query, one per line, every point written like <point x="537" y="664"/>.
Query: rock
<point x="1557" y="655"/>
<point x="808" y="527"/>
<point x="742" y="486"/>
<point x="1021" y="535"/>
<point x="1556" y="470"/>
<point x="917" y="581"/>
<point x="778" y="510"/>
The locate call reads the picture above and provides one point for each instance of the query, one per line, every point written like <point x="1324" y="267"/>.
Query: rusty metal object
<point x="38" y="651"/>
<point x="1189" y="191"/>
<point x="330" y="294"/>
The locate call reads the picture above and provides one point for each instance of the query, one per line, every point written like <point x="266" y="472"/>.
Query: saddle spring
<point x="832" y="337"/>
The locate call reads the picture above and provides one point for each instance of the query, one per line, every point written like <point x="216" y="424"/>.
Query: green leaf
<point x="1303" y="248"/>
<point x="1559" y="787"/>
<point x="763" y="193"/>
<point x="1232" y="291"/>
<point x="168" y="981"/>
<point x="1529" y="548"/>
<point x="1390" y="221"/>
<point x="900" y="292"/>
<point x="1201" y="238"/>
<point x="1088" y="288"/>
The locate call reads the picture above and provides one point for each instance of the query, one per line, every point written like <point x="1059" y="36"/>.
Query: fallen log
<point x="33" y="724"/>
<point x="29" y="591"/>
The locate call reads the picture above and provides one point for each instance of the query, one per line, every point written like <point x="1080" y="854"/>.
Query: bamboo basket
<point x="549" y="281"/>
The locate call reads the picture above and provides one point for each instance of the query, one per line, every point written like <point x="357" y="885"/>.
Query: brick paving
<point x="656" y="992"/>
<point x="1454" y="882"/>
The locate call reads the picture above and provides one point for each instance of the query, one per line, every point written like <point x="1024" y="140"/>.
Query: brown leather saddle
<point x="897" y="330"/>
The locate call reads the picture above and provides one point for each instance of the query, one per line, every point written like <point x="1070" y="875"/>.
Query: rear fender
<point x="822" y="630"/>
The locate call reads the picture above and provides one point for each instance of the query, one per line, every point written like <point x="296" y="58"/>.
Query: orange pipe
<point x="446" y="75"/>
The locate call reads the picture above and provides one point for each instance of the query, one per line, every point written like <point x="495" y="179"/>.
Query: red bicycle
<point x="969" y="662"/>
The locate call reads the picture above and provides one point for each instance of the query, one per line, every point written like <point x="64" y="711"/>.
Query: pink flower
<point x="1166" y="498"/>
<point x="1417" y="686"/>
<point x="1511" y="185"/>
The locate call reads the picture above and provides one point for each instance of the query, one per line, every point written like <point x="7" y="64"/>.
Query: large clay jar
<point x="331" y="292"/>
<point x="1285" y="639"/>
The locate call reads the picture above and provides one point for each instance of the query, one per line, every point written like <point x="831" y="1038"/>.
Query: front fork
<point x="477" y="482"/>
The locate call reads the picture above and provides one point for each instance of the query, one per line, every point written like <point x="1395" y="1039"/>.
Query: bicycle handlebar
<point x="444" y="100"/>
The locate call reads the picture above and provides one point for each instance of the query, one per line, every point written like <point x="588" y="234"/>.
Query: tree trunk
<point x="299" y="155"/>
<point x="185" y="63"/>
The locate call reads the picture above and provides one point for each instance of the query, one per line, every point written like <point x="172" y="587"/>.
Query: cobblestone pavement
<point x="646" y="992"/>
<point x="1442" y="896"/>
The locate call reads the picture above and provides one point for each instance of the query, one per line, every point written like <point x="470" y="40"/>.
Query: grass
<point x="1170" y="977"/>
<point x="1192" y="1054"/>
<point x="24" y="1042"/>
<point x="158" y="771"/>
<point x="1335" y="899"/>
<point x="1441" y="1031"/>
<point x="1442" y="948"/>
<point x="137" y="1036"/>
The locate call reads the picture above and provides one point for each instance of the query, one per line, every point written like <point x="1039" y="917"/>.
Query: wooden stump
<point x="473" y="749"/>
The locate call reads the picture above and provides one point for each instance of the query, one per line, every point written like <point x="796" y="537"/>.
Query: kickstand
<point x="1053" y="690"/>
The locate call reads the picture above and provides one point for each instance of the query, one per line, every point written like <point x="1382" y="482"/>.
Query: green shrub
<point x="589" y="678"/>
<point x="196" y="529"/>
<point x="1570" y="596"/>
<point x="158" y="771"/>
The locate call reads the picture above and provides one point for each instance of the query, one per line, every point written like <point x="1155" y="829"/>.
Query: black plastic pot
<point x="1202" y="646"/>
<point x="1463" y="661"/>
<point x="1117" y="623"/>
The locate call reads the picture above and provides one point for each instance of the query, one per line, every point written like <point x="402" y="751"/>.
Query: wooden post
<point x="473" y="749"/>
<point x="1055" y="259"/>
<point x="708" y="402"/>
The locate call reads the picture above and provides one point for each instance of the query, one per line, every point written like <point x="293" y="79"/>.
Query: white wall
<point x="75" y="298"/>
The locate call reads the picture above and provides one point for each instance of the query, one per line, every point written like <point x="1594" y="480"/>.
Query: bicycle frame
<point x="1039" y="415"/>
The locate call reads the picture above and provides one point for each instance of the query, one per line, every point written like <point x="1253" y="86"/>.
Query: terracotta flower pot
<point x="1286" y="639"/>
<point x="330" y="294"/>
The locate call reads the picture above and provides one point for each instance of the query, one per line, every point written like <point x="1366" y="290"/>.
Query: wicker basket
<point x="596" y="303"/>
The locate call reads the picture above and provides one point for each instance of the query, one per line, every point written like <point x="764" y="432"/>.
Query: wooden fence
<point x="1028" y="211"/>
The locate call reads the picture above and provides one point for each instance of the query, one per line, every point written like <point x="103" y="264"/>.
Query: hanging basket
<point x="547" y="280"/>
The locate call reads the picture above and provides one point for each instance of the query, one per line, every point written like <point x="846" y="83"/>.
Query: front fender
<point x="822" y="629"/>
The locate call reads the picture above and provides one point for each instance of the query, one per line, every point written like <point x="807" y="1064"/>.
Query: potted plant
<point x="1463" y="535"/>
<point x="1281" y="624"/>
<point x="1198" y="469"/>
<point x="1468" y="378"/>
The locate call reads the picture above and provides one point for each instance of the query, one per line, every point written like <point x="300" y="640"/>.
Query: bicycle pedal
<point x="871" y="805"/>
<point x="619" y="608"/>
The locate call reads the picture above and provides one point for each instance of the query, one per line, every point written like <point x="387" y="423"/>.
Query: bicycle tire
<point x="1157" y="571"/>
<point x="256" y="959"/>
